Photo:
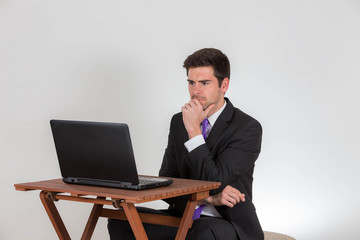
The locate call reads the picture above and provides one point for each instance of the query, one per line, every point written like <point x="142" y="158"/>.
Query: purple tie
<point x="204" y="124"/>
<point x="198" y="211"/>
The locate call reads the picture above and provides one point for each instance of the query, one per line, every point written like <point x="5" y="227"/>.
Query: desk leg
<point x="54" y="217"/>
<point x="134" y="220"/>
<point x="186" y="220"/>
<point x="91" y="223"/>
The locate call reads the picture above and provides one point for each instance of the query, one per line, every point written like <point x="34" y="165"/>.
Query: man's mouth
<point x="198" y="98"/>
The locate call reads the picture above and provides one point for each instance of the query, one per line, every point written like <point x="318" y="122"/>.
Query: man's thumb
<point x="208" y="109"/>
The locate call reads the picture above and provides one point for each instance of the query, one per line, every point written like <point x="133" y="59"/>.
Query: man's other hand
<point x="229" y="196"/>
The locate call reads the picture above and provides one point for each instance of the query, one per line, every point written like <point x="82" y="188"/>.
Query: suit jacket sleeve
<point x="170" y="168"/>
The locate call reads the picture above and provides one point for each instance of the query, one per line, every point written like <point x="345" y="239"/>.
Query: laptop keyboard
<point x="148" y="180"/>
<point x="145" y="181"/>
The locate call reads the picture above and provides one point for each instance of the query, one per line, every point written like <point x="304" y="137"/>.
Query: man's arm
<point x="237" y="151"/>
<point x="169" y="168"/>
<point x="192" y="116"/>
<point x="235" y="154"/>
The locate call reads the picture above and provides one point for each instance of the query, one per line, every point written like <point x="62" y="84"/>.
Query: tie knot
<point x="205" y="121"/>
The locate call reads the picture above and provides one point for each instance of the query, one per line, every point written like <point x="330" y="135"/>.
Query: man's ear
<point x="225" y="85"/>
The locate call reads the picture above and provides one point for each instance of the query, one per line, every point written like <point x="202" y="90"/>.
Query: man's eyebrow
<point x="202" y="81"/>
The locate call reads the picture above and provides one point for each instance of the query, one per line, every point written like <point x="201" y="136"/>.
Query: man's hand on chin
<point x="193" y="115"/>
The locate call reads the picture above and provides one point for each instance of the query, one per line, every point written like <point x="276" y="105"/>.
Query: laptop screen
<point x="94" y="150"/>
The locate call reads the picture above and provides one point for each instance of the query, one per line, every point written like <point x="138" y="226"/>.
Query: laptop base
<point x="144" y="183"/>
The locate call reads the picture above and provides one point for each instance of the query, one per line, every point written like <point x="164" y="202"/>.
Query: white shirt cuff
<point x="194" y="142"/>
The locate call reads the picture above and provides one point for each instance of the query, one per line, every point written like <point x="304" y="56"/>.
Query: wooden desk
<point x="122" y="200"/>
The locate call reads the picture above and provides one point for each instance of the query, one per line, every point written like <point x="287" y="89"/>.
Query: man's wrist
<point x="194" y="132"/>
<point x="208" y="200"/>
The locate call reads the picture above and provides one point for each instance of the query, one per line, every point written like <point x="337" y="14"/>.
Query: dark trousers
<point x="206" y="228"/>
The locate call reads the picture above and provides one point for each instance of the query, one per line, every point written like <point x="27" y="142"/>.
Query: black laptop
<point x="100" y="154"/>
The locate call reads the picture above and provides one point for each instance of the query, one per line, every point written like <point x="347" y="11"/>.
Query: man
<point x="225" y="151"/>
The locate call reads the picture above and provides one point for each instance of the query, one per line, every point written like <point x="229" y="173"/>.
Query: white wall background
<point x="295" y="67"/>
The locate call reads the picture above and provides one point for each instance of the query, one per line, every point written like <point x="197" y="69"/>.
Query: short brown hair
<point x="210" y="57"/>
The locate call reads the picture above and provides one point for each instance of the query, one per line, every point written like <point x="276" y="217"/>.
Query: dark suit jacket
<point x="228" y="157"/>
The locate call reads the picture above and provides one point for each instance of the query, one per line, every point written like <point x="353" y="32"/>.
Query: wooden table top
<point x="178" y="188"/>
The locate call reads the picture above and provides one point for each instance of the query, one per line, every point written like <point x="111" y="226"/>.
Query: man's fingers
<point x="231" y="202"/>
<point x="242" y="197"/>
<point x="194" y="104"/>
<point x="189" y="105"/>
<point x="183" y="108"/>
<point x="196" y="101"/>
<point x="228" y="199"/>
<point x="234" y="193"/>
<point x="237" y="195"/>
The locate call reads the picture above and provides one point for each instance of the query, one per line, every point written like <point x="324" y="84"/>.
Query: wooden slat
<point x="84" y="199"/>
<point x="145" y="217"/>
<point x="23" y="189"/>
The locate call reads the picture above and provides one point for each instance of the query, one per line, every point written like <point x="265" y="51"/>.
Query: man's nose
<point x="197" y="89"/>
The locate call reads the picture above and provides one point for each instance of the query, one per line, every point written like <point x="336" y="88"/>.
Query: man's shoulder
<point x="240" y="117"/>
<point x="177" y="116"/>
<point x="243" y="125"/>
<point x="176" y="120"/>
<point x="241" y="114"/>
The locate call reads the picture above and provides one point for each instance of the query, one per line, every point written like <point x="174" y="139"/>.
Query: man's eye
<point x="205" y="83"/>
<point x="191" y="83"/>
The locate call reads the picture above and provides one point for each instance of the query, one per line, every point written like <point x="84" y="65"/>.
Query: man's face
<point x="204" y="86"/>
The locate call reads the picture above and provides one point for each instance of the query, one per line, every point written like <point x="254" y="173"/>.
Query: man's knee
<point x="200" y="231"/>
<point x="208" y="228"/>
<point x="119" y="229"/>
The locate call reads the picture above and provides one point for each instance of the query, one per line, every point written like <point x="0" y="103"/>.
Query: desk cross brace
<point x="56" y="196"/>
<point x="53" y="196"/>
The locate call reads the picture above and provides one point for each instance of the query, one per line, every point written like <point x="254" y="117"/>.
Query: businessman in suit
<point x="210" y="140"/>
